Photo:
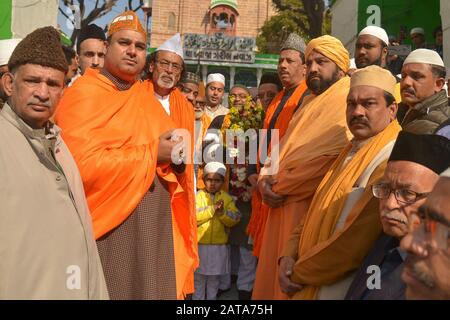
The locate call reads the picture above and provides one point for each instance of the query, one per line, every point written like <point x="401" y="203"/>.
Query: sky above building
<point x="120" y="6"/>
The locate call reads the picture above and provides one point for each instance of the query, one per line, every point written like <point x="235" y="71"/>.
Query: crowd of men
<point x="112" y="188"/>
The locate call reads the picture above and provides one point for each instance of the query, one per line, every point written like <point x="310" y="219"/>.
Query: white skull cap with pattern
<point x="215" y="77"/>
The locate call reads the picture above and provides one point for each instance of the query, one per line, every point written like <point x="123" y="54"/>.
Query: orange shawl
<point x="316" y="135"/>
<point x="325" y="256"/>
<point x="258" y="217"/>
<point x="113" y="136"/>
<point x="181" y="188"/>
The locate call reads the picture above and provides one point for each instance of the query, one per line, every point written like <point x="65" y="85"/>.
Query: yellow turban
<point x="127" y="20"/>
<point x="332" y="48"/>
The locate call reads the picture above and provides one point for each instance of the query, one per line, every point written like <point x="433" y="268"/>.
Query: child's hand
<point x="218" y="207"/>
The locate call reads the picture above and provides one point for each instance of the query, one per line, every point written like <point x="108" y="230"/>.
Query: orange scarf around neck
<point x="315" y="255"/>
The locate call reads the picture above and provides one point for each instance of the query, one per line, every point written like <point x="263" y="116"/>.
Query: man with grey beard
<point x="411" y="173"/>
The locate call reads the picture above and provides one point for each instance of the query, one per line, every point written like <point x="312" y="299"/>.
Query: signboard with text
<point x="219" y="47"/>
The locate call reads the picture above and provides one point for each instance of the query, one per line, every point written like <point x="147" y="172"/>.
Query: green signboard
<point x="398" y="17"/>
<point x="5" y="19"/>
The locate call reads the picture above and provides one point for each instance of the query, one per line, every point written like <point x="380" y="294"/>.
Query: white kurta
<point x="221" y="110"/>
<point x="214" y="259"/>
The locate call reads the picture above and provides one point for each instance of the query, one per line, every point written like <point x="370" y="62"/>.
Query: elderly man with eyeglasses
<point x="411" y="173"/>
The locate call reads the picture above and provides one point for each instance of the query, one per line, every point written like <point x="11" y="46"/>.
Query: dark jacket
<point x="392" y="286"/>
<point x="426" y="116"/>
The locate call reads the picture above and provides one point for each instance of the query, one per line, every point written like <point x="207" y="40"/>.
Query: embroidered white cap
<point x="215" y="77"/>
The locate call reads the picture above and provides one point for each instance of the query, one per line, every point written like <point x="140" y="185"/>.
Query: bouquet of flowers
<point x="240" y="119"/>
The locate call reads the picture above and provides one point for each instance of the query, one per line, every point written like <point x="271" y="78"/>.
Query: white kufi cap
<point x="215" y="167"/>
<point x="173" y="45"/>
<point x="417" y="30"/>
<point x="375" y="31"/>
<point x="7" y="47"/>
<point x="424" y="56"/>
<point x="215" y="77"/>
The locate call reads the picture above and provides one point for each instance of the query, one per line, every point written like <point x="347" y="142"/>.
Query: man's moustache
<point x="396" y="215"/>
<point x="38" y="103"/>
<point x="409" y="90"/>
<point x="166" y="75"/>
<point x="357" y="120"/>
<point x="310" y="76"/>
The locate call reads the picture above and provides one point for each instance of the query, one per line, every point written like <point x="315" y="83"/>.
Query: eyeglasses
<point x="435" y="227"/>
<point x="176" y="68"/>
<point x="200" y="104"/>
<point x="383" y="191"/>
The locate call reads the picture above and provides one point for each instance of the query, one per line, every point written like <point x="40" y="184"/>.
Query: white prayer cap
<point x="214" y="167"/>
<point x="7" y="47"/>
<point x="375" y="31"/>
<point x="215" y="77"/>
<point x="417" y="30"/>
<point x="424" y="56"/>
<point x="173" y="45"/>
<point x="446" y="173"/>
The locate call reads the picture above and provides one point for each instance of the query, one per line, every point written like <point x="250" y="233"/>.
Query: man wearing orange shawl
<point x="342" y="222"/>
<point x="121" y="138"/>
<point x="315" y="136"/>
<point x="291" y="70"/>
<point x="165" y="70"/>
